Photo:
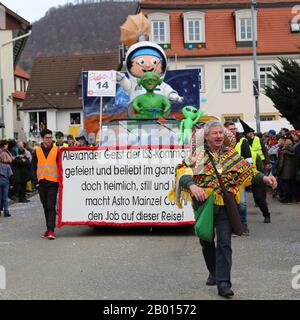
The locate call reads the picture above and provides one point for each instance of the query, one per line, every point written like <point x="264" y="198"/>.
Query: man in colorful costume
<point x="196" y="179"/>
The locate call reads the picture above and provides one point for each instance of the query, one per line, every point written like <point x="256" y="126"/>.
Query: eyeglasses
<point x="143" y="64"/>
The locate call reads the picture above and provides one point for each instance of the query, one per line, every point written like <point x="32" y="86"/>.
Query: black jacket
<point x="21" y="168"/>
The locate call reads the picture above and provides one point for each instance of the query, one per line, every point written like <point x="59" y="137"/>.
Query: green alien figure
<point x="150" y="104"/>
<point x="192" y="115"/>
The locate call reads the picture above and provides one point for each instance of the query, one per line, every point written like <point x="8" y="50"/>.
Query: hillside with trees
<point x="77" y="29"/>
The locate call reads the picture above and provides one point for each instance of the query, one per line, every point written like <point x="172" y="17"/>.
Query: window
<point x="75" y="118"/>
<point x="232" y="117"/>
<point x="230" y="79"/>
<point x="194" y="29"/>
<point x="18" y="118"/>
<point x="265" y="79"/>
<point x="268" y="117"/>
<point x="159" y="31"/>
<point x="38" y="121"/>
<point x="33" y="122"/>
<point x="295" y="27"/>
<point x="160" y="28"/>
<point x="244" y="28"/>
<point x="18" y="115"/>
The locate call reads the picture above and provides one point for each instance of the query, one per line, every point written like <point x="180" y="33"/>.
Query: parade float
<point x="140" y="120"/>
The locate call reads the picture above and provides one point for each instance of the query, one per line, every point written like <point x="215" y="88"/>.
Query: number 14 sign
<point x="101" y="83"/>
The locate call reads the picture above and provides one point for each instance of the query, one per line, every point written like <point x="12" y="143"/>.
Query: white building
<point x="216" y="36"/>
<point x="12" y="29"/>
<point x="20" y="85"/>
<point x="54" y="95"/>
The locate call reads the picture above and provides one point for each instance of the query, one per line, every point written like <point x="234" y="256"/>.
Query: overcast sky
<point x="32" y="10"/>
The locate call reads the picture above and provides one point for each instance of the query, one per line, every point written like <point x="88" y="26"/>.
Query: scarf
<point x="235" y="172"/>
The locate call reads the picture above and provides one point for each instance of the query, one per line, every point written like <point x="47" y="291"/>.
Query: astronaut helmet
<point x="146" y="56"/>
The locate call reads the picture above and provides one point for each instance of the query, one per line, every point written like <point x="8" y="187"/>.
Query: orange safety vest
<point x="47" y="168"/>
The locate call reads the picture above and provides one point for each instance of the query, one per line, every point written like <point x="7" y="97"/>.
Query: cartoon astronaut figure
<point x="143" y="57"/>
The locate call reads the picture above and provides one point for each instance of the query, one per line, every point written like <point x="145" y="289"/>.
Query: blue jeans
<point x="243" y="207"/>
<point x="4" y="188"/>
<point x="218" y="258"/>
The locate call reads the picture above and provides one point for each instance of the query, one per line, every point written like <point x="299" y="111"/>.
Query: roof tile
<point x="55" y="81"/>
<point x="274" y="35"/>
<point x="187" y="2"/>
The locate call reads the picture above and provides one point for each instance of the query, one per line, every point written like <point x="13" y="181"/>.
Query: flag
<point x="204" y="216"/>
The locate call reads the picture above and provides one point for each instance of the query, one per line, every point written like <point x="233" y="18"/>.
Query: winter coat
<point x="22" y="170"/>
<point x="286" y="165"/>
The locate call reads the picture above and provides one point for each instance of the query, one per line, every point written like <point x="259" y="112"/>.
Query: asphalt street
<point x="138" y="263"/>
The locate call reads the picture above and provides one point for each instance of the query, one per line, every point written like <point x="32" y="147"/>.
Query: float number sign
<point x="101" y="84"/>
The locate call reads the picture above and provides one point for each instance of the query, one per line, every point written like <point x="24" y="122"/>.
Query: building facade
<point x="14" y="31"/>
<point x="20" y="85"/>
<point x="54" y="96"/>
<point x="216" y="37"/>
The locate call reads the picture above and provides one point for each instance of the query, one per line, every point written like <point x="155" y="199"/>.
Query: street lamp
<point x="255" y="79"/>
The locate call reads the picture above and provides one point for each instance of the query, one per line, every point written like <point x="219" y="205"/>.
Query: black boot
<point x="211" y="280"/>
<point x="267" y="219"/>
<point x="7" y="214"/>
<point x="225" y="292"/>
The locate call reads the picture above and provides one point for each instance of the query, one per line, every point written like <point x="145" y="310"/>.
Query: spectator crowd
<point x="276" y="154"/>
<point x="16" y="170"/>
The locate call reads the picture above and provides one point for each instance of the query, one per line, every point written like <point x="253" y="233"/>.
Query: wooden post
<point x="100" y="121"/>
